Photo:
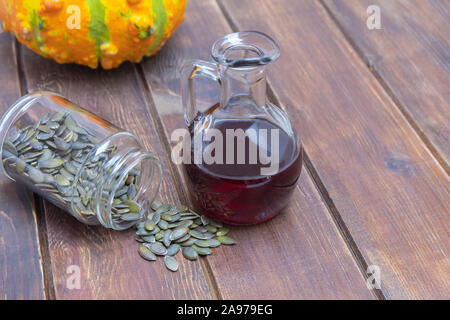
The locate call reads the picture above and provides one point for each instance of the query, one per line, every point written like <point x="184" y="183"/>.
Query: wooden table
<point x="372" y="108"/>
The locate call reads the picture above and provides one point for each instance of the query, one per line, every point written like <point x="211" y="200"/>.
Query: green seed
<point x="189" y="242"/>
<point x="171" y="263"/>
<point x="173" y="249"/>
<point x="163" y="224"/>
<point x="61" y="180"/>
<point x="226" y="240"/>
<point x="183" y="239"/>
<point x="211" y="228"/>
<point x="197" y="234"/>
<point x="166" y="238"/>
<point x="156" y="204"/>
<point x="202" y="243"/>
<point x="130" y="216"/>
<point x="134" y="207"/>
<point x="158" y="249"/>
<point x="190" y="253"/>
<point x="149" y="226"/>
<point x="179" y="233"/>
<point x="156" y="217"/>
<point x="146" y="253"/>
<point x="222" y="232"/>
<point x="185" y="223"/>
<point x="36" y="176"/>
<point x="159" y="235"/>
<point x="213" y="243"/>
<point x="149" y="239"/>
<point x="202" y="251"/>
<point x="50" y="163"/>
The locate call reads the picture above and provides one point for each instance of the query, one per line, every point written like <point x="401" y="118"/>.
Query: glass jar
<point x="83" y="164"/>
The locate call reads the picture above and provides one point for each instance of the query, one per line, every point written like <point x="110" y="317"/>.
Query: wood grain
<point x="411" y="56"/>
<point x="299" y="254"/>
<point x="108" y="260"/>
<point x="20" y="262"/>
<point x="387" y="188"/>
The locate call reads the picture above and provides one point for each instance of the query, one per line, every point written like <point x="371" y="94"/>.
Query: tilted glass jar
<point x="83" y="164"/>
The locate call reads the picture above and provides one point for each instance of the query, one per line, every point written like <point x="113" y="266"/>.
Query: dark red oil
<point x="237" y="193"/>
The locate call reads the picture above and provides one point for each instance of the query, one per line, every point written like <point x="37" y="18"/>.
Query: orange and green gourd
<point x="93" y="32"/>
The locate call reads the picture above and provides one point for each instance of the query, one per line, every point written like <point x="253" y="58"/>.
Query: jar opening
<point x="125" y="180"/>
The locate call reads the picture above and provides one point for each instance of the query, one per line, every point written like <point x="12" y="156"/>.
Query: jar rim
<point x="137" y="152"/>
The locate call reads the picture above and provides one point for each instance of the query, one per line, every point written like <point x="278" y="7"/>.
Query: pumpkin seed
<point x="202" y="243"/>
<point x="226" y="240"/>
<point x="178" y="233"/>
<point x="50" y="163"/>
<point x="36" y="176"/>
<point x="171" y="263"/>
<point x="149" y="226"/>
<point x="62" y="180"/>
<point x="155" y="204"/>
<point x="167" y="238"/>
<point x="149" y="239"/>
<point x="156" y="217"/>
<point x="197" y="234"/>
<point x="201" y="250"/>
<point x="130" y="216"/>
<point x="146" y="253"/>
<point x="173" y="249"/>
<point x="189" y="242"/>
<point x="163" y="224"/>
<point x="189" y="253"/>
<point x="185" y="223"/>
<point x="211" y="228"/>
<point x="159" y="235"/>
<point x="158" y="249"/>
<point x="213" y="243"/>
<point x="222" y="232"/>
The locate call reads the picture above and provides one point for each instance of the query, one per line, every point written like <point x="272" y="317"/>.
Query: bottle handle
<point x="191" y="70"/>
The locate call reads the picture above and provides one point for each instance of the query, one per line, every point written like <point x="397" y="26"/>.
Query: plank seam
<point x="331" y="207"/>
<point x="206" y="267"/>
<point x="38" y="202"/>
<point x="403" y="110"/>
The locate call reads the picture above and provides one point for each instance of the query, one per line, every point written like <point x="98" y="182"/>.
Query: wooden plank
<point x="387" y="188"/>
<point x="20" y="261"/>
<point x="410" y="55"/>
<point x="299" y="254"/>
<point x="108" y="260"/>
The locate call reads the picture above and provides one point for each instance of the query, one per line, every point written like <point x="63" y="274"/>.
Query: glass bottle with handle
<point x="245" y="157"/>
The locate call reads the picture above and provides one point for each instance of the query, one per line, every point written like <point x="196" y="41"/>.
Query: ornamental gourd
<point x="93" y="32"/>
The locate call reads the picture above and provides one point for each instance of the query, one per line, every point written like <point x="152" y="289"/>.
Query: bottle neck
<point x="243" y="82"/>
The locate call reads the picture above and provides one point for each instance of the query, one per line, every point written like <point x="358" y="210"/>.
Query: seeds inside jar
<point x="48" y="156"/>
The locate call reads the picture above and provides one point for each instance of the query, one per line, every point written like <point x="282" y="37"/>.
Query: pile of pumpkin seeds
<point x="170" y="229"/>
<point x="48" y="155"/>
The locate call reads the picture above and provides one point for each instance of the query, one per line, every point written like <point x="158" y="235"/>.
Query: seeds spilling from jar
<point x="170" y="229"/>
<point x="58" y="157"/>
<point x="48" y="156"/>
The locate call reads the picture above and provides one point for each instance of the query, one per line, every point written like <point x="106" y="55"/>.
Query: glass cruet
<point x="236" y="192"/>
